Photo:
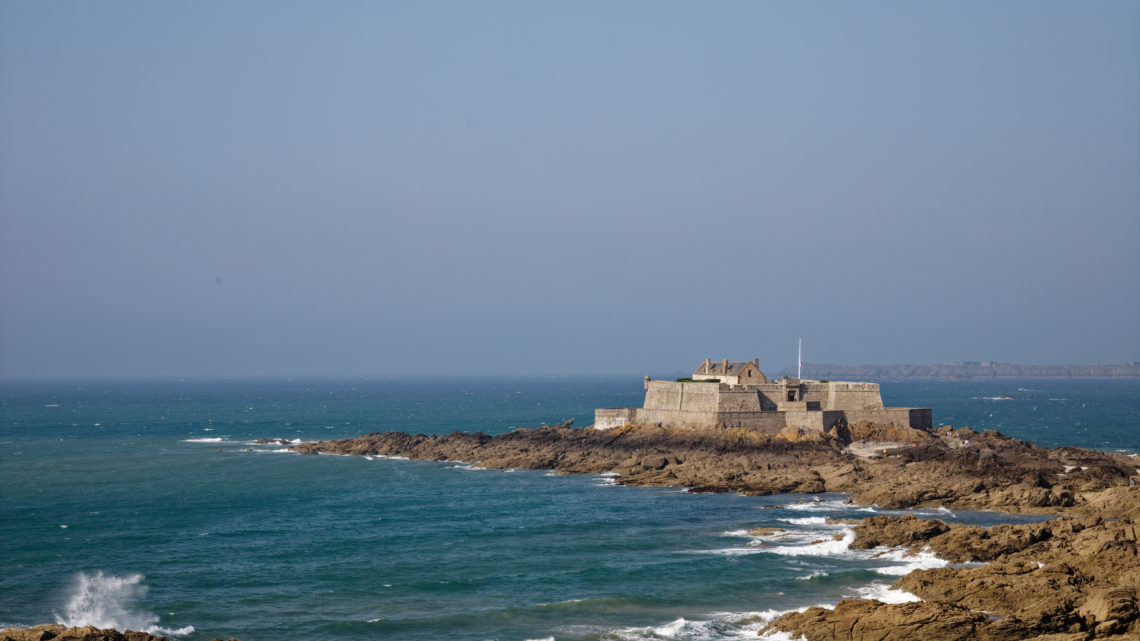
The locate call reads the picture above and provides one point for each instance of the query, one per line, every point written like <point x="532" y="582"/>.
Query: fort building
<point x="725" y="394"/>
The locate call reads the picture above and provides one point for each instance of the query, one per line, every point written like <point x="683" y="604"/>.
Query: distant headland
<point x="964" y="371"/>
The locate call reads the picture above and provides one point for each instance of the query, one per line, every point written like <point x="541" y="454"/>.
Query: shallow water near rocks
<point x="149" y="505"/>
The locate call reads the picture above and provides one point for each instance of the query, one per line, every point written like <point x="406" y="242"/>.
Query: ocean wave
<point x="731" y="551"/>
<point x="807" y="520"/>
<point x="720" y="626"/>
<point x="885" y="593"/>
<point x="812" y="575"/>
<point x="278" y="441"/>
<point x="213" y="439"/>
<point x="833" y="546"/>
<point x="830" y="505"/>
<point x="107" y="601"/>
<point x="924" y="560"/>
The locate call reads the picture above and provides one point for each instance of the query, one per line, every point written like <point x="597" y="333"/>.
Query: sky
<point x="337" y="188"/>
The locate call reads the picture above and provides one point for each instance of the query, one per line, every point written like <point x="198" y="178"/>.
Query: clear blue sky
<point x="372" y="188"/>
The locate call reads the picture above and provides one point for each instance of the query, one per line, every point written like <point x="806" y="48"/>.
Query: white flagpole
<point x="799" y="358"/>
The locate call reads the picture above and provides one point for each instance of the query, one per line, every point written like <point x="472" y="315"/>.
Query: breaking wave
<point x="108" y="601"/>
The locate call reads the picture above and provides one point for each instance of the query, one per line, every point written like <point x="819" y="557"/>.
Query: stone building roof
<point x="717" y="368"/>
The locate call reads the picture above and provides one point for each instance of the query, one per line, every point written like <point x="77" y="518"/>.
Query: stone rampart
<point x="766" y="407"/>
<point x="607" y="417"/>
<point x="918" y="418"/>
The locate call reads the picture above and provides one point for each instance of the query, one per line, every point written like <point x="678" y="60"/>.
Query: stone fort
<point x="737" y="394"/>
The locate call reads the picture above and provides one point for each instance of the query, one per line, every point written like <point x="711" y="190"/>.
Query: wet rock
<point x="875" y="621"/>
<point x="54" y="632"/>
<point x="896" y="531"/>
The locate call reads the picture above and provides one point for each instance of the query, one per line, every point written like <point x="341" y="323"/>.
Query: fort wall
<point x="766" y="407"/>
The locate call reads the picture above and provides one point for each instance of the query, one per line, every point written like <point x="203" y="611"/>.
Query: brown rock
<point x="1110" y="604"/>
<point x="53" y="632"/>
<point x="34" y="633"/>
<point x="875" y="621"/>
<point x="896" y="531"/>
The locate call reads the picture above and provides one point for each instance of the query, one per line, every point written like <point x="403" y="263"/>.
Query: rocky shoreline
<point x="57" y="632"/>
<point x="1059" y="580"/>
<point x="890" y="467"/>
<point x="1062" y="580"/>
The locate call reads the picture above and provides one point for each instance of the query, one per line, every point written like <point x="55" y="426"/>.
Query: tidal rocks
<point x="960" y="469"/>
<point x="857" y="620"/>
<point x="1067" y="578"/>
<point x="55" y="632"/>
<point x="1061" y="580"/>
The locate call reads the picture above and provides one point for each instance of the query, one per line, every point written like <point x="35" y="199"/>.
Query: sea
<point x="149" y="506"/>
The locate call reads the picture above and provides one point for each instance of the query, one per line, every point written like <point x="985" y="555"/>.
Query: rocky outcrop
<point x="1062" y="579"/>
<point x="960" y="469"/>
<point x="857" y="620"/>
<point x="1057" y="580"/>
<point x="55" y="632"/>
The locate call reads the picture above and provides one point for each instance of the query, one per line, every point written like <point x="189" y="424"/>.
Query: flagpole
<point x="799" y="358"/>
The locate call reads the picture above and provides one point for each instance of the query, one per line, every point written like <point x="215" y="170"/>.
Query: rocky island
<point x="1070" y="578"/>
<point x="1059" y="580"/>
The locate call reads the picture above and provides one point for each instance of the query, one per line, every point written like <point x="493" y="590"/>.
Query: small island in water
<point x="730" y="429"/>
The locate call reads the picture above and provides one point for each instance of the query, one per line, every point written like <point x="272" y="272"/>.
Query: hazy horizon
<point x="346" y="189"/>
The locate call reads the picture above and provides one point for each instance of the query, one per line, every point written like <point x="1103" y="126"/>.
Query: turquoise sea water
<point x="147" y="506"/>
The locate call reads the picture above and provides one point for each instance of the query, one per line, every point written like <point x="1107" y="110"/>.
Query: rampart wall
<point x="764" y="407"/>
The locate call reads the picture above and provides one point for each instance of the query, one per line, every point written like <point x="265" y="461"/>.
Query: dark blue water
<point x="148" y="506"/>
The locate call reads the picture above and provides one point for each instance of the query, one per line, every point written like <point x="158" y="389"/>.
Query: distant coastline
<point x="963" y="371"/>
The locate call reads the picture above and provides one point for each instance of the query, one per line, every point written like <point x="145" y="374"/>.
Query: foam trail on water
<point x="107" y="601"/>
<point x="719" y="626"/>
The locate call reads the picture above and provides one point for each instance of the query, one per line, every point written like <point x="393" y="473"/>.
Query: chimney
<point x="756" y="362"/>
<point x="724" y="366"/>
<point x="708" y="364"/>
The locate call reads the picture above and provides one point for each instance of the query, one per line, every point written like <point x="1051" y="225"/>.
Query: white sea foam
<point x="883" y="592"/>
<point x="717" y="627"/>
<point x="831" y="505"/>
<point x="828" y="546"/>
<point x="924" y="560"/>
<point x="807" y="520"/>
<point x="107" y="601"/>
<point x="277" y="441"/>
<point x="214" y="439"/>
<point x="811" y="575"/>
<point x="731" y="551"/>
